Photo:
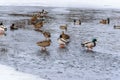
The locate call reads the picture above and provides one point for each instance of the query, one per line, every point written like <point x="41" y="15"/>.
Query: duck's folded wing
<point x="61" y="41"/>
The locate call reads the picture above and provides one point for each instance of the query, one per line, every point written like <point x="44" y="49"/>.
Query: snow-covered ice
<point x="8" y="73"/>
<point x="19" y="50"/>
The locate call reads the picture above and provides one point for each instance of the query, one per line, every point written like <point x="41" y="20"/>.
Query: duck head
<point x="1" y="23"/>
<point x="94" y="40"/>
<point x="49" y="40"/>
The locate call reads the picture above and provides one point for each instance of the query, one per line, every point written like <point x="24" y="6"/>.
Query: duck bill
<point x="37" y="43"/>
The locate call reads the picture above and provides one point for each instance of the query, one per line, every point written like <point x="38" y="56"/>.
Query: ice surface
<point x="8" y="73"/>
<point x="19" y="50"/>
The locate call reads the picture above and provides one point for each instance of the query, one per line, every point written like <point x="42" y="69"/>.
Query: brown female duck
<point x="44" y="44"/>
<point x="47" y="35"/>
<point x="33" y="19"/>
<point x="38" y="25"/>
<point x="105" y="21"/>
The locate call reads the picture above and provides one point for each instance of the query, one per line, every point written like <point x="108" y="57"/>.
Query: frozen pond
<point x="19" y="50"/>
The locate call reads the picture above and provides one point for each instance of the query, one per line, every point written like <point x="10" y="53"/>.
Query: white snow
<point x="8" y="73"/>
<point x="60" y="10"/>
<point x="64" y="3"/>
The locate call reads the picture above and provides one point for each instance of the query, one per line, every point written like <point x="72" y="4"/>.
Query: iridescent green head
<point x="94" y="40"/>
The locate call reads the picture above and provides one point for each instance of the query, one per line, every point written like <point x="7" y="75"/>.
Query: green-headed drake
<point x="89" y="45"/>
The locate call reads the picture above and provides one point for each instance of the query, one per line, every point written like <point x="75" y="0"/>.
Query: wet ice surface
<point x="19" y="49"/>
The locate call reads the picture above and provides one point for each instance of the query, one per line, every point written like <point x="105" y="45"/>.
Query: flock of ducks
<point x="38" y="22"/>
<point x="107" y="21"/>
<point x="90" y="44"/>
<point x="63" y="38"/>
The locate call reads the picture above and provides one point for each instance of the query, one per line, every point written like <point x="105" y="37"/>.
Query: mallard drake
<point x="77" y="22"/>
<point x="42" y="14"/>
<point x="63" y="39"/>
<point x="89" y="45"/>
<point x="44" y="44"/>
<point x="64" y="27"/>
<point x="2" y="28"/>
<point x="13" y="27"/>
<point x="105" y="21"/>
<point x="43" y="11"/>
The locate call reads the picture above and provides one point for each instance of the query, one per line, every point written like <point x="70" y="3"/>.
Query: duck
<point x="116" y="27"/>
<point x="64" y="27"/>
<point x="63" y="40"/>
<point x="2" y="28"/>
<point x="47" y="35"/>
<point x="43" y="11"/>
<point x="66" y="37"/>
<point x="44" y="44"/>
<point x="42" y="14"/>
<point x="105" y="21"/>
<point x="13" y="27"/>
<point x="89" y="44"/>
<point x="33" y="19"/>
<point x="77" y="22"/>
<point x="38" y="25"/>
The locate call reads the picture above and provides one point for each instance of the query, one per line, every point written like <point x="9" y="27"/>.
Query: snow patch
<point x="60" y="10"/>
<point x="8" y="73"/>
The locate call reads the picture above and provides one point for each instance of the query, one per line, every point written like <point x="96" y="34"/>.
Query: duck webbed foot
<point x="43" y="49"/>
<point x="62" y="45"/>
<point x="89" y="49"/>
